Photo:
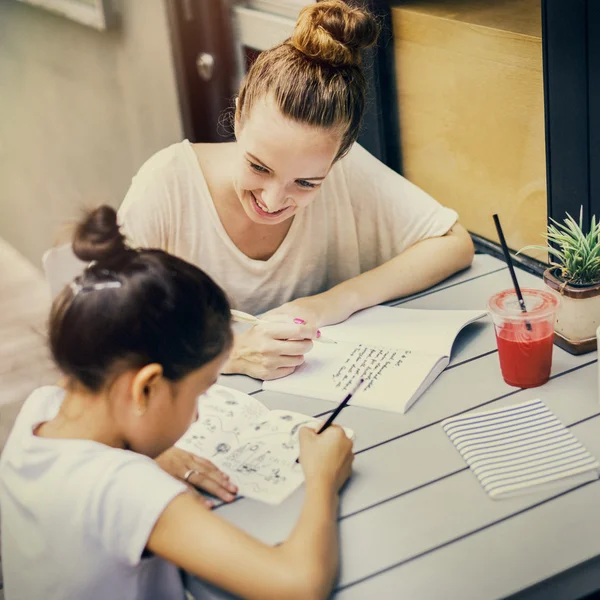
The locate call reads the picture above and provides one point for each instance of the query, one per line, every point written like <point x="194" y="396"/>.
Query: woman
<point x="294" y="218"/>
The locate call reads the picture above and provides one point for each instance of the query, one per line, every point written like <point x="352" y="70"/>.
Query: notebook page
<point x="441" y="364"/>
<point x="392" y="376"/>
<point x="264" y="466"/>
<point x="422" y="331"/>
<point x="519" y="448"/>
<point x="223" y="414"/>
<point x="256" y="447"/>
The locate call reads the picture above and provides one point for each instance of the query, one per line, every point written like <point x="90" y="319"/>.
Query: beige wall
<point x="80" y="110"/>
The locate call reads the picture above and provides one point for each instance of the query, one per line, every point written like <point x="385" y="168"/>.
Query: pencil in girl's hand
<point x="339" y="409"/>
<point x="242" y="317"/>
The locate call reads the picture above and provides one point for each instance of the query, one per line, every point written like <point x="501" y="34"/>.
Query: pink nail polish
<point x="299" y="321"/>
<point x="318" y="333"/>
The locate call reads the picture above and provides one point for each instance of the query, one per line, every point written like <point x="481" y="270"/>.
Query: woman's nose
<point x="274" y="198"/>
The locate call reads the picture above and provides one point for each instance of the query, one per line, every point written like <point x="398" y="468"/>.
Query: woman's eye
<point x="306" y="184"/>
<point x="258" y="168"/>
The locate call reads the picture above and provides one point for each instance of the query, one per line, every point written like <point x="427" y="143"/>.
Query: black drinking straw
<point x="511" y="268"/>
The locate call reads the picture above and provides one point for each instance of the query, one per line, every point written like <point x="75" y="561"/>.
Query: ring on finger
<point x="189" y="473"/>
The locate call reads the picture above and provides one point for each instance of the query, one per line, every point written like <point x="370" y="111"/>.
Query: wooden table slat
<point x="483" y="264"/>
<point x="508" y="558"/>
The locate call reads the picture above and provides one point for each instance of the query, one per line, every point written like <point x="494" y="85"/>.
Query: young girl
<point x="294" y="217"/>
<point x="86" y="512"/>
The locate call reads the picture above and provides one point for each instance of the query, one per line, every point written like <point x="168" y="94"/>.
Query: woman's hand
<point x="271" y="349"/>
<point x="326" y="457"/>
<point x="204" y="476"/>
<point x="316" y="310"/>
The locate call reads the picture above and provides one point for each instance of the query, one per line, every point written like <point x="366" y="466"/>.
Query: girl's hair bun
<point x="335" y="33"/>
<point x="98" y="238"/>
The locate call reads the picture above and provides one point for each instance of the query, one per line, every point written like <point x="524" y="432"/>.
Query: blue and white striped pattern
<point x="520" y="447"/>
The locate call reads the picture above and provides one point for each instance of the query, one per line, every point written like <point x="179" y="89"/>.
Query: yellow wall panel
<point x="470" y="95"/>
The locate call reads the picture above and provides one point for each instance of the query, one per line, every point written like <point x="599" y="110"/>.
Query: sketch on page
<point x="223" y="415"/>
<point x="255" y="446"/>
<point x="264" y="465"/>
<point x="262" y="471"/>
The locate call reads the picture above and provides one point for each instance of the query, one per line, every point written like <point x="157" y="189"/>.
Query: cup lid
<point x="539" y="303"/>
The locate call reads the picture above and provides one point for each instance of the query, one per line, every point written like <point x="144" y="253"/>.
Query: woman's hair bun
<point x="98" y="238"/>
<point x="333" y="32"/>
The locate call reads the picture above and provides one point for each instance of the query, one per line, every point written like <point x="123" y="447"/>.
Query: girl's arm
<point x="303" y="567"/>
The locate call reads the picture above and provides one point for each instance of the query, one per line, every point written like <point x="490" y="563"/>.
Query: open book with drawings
<point x="255" y="446"/>
<point x="399" y="352"/>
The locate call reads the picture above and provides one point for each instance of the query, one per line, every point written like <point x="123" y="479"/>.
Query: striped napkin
<point x="520" y="448"/>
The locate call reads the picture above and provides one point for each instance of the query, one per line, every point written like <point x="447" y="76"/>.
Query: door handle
<point x="205" y="64"/>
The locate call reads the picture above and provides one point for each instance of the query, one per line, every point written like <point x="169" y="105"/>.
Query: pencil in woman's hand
<point x="241" y="317"/>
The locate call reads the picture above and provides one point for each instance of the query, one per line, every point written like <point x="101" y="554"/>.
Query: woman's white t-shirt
<point x="364" y="215"/>
<point x="76" y="516"/>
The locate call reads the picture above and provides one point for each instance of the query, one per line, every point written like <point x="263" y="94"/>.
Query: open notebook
<point x="398" y="351"/>
<point x="520" y="448"/>
<point x="255" y="446"/>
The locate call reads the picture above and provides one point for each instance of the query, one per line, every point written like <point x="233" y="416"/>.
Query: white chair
<point x="61" y="266"/>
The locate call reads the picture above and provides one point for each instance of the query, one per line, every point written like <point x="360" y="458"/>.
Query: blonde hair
<point x="315" y="76"/>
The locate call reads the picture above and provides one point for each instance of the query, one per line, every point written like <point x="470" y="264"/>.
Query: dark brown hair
<point x="315" y="77"/>
<point x="130" y="308"/>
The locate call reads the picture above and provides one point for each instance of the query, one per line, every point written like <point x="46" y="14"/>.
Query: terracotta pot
<point x="578" y="315"/>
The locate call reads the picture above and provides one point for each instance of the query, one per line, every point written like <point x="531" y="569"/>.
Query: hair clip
<point x="106" y="284"/>
<point x="77" y="287"/>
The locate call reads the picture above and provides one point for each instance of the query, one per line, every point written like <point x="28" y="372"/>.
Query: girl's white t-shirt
<point x="76" y="515"/>
<point x="364" y="215"/>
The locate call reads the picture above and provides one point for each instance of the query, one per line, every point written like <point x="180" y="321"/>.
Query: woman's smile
<point x="263" y="210"/>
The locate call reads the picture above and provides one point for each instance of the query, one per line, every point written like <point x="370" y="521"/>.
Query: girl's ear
<point x="144" y="386"/>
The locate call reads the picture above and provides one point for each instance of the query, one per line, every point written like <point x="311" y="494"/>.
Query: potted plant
<point x="574" y="273"/>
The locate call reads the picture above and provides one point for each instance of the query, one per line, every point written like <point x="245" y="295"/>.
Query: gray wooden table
<point x="414" y="521"/>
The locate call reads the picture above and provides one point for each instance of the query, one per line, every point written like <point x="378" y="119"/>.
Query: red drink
<point x="524" y="338"/>
<point x="525" y="356"/>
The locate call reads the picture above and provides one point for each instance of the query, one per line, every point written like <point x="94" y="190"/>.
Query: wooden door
<point x="205" y="65"/>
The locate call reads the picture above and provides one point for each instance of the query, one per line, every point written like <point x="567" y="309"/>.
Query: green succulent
<point x="576" y="254"/>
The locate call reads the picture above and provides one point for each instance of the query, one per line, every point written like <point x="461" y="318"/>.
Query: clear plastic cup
<point x="524" y="339"/>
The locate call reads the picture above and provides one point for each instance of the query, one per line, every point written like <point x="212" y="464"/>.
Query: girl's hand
<point x="326" y="457"/>
<point x="271" y="349"/>
<point x="205" y="475"/>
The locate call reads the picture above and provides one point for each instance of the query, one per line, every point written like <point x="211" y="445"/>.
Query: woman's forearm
<point x="417" y="268"/>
